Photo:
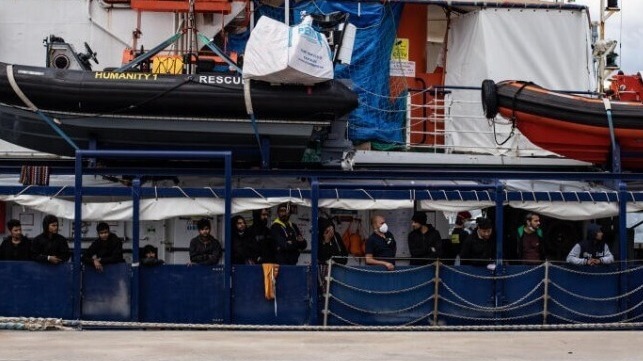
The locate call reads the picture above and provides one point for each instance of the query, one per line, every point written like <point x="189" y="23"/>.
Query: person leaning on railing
<point x="593" y="251"/>
<point x="49" y="246"/>
<point x="479" y="249"/>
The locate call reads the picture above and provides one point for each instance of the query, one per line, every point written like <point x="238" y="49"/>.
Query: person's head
<point x="532" y="222"/>
<point x="598" y="235"/>
<point x="462" y="217"/>
<point x="283" y="212"/>
<point x="239" y="224"/>
<point x="149" y="251"/>
<point x="485" y="227"/>
<point x="261" y="216"/>
<point x="418" y="220"/>
<point x="326" y="228"/>
<point x="50" y="224"/>
<point x="15" y="228"/>
<point x="379" y="224"/>
<point x="102" y="229"/>
<point x="203" y="225"/>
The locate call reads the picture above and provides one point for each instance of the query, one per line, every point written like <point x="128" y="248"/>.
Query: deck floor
<point x="310" y="346"/>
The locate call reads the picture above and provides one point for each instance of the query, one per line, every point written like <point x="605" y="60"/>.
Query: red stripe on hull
<point x="577" y="141"/>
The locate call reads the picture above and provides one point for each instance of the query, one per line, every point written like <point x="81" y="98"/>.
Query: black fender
<point x="489" y="99"/>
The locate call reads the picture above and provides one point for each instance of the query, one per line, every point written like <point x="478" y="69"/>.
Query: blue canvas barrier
<point x="33" y="289"/>
<point x="249" y="305"/>
<point x="373" y="296"/>
<point x="467" y="295"/>
<point x="106" y="294"/>
<point x="583" y="294"/>
<point x="522" y="296"/>
<point x="634" y="300"/>
<point x="178" y="293"/>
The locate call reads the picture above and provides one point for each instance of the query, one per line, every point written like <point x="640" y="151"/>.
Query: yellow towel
<point x="270" y="272"/>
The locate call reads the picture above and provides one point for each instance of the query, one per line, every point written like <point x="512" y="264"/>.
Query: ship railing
<point x="550" y="294"/>
<point x="427" y="118"/>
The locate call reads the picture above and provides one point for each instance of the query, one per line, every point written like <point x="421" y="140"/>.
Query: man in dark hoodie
<point x="425" y="242"/>
<point x="245" y="250"/>
<point x="290" y="242"/>
<point x="593" y="251"/>
<point x="262" y="236"/>
<point x="49" y="246"/>
<point x="107" y="249"/>
<point x="15" y="246"/>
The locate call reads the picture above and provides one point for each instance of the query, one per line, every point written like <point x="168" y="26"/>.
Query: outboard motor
<point x="61" y="55"/>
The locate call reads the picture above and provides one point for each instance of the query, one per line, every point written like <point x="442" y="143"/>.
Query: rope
<point x="587" y="298"/>
<point x="513" y="116"/>
<point x="384" y="312"/>
<point x="595" y="316"/>
<point x="572" y="325"/>
<point x="373" y="292"/>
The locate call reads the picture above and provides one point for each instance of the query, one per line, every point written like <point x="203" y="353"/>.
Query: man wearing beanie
<point x="49" y="246"/>
<point x="425" y="242"/>
<point x="107" y="249"/>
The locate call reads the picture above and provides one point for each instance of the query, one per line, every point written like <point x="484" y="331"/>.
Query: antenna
<point x="603" y="70"/>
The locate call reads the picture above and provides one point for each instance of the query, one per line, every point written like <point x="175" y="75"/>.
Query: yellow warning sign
<point x="400" y="49"/>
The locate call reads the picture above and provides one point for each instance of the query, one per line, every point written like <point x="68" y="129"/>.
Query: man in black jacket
<point x="205" y="249"/>
<point x="425" y="242"/>
<point x="49" y="246"/>
<point x="290" y="241"/>
<point x="261" y="234"/>
<point x="245" y="249"/>
<point x="15" y="246"/>
<point x="479" y="249"/>
<point x="107" y="249"/>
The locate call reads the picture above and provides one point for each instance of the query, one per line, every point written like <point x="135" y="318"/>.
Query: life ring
<point x="489" y="99"/>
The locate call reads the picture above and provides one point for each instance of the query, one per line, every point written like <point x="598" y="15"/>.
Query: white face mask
<point x="383" y="228"/>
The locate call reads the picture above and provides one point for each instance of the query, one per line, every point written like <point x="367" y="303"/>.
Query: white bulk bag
<point x="277" y="53"/>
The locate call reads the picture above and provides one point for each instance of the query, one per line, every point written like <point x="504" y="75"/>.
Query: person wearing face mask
<point x="244" y="248"/>
<point x="380" y="246"/>
<point x="290" y="242"/>
<point x="531" y="245"/>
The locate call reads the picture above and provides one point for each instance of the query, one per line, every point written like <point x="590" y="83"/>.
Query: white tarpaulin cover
<point x="165" y="208"/>
<point x="550" y="48"/>
<point x="277" y="53"/>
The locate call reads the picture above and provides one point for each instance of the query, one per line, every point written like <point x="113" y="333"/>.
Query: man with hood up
<point x="244" y="248"/>
<point x="593" y="251"/>
<point x="290" y="242"/>
<point x="49" y="246"/>
<point x="260" y="231"/>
